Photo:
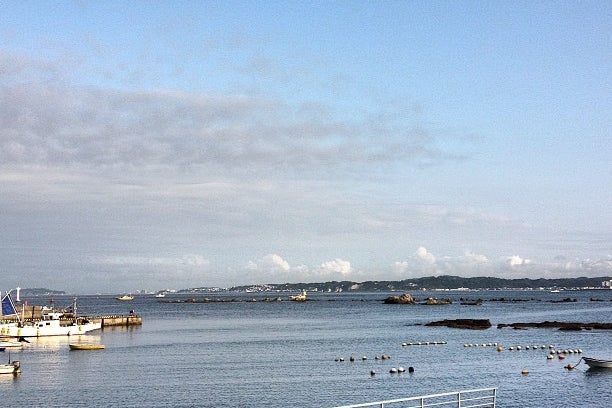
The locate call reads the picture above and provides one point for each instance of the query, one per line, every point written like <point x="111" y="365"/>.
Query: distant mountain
<point x="431" y="282"/>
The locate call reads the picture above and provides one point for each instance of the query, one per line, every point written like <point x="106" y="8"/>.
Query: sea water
<point x="278" y="354"/>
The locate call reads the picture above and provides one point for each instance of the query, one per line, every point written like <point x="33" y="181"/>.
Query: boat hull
<point x="86" y="346"/>
<point x="11" y="344"/>
<point x="11" y="368"/>
<point x="48" y="328"/>
<point x="597" y="363"/>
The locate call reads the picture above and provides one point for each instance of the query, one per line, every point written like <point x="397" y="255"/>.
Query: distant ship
<point x="125" y="297"/>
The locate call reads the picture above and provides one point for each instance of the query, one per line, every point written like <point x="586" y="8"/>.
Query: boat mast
<point x="74" y="309"/>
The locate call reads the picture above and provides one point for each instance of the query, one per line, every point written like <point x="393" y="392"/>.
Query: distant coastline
<point x="432" y="283"/>
<point x="445" y="282"/>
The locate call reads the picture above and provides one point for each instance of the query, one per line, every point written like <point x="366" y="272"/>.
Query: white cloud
<point x="336" y="267"/>
<point x="516" y="260"/>
<point x="270" y="262"/>
<point x="425" y="256"/>
<point x="472" y="258"/>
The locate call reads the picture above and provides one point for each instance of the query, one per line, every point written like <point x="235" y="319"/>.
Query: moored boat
<point x="597" y="363"/>
<point x="10" y="368"/>
<point x="86" y="346"/>
<point x="9" y="344"/>
<point x="50" y="324"/>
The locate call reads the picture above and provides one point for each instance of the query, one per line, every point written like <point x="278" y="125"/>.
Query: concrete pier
<point x="120" y="320"/>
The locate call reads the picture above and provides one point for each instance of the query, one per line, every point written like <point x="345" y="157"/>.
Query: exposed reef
<point x="407" y="299"/>
<point x="230" y="300"/>
<point x="564" y="326"/>
<point x="472" y="324"/>
<point x="404" y="299"/>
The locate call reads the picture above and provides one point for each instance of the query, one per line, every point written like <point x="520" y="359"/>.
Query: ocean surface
<point x="280" y="354"/>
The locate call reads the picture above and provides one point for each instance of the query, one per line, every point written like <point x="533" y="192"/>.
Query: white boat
<point x="50" y="324"/>
<point x="125" y="298"/>
<point x="13" y="368"/>
<point x="160" y="295"/>
<point x="10" y="344"/>
<point x="597" y="363"/>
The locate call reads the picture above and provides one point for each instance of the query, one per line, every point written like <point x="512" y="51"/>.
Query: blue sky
<point x="178" y="144"/>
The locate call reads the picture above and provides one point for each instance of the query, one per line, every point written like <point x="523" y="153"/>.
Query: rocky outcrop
<point x="404" y="299"/>
<point x="472" y="324"/>
<point x="564" y="326"/>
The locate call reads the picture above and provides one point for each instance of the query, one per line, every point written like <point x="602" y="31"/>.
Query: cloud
<point x="516" y="260"/>
<point x="336" y="267"/>
<point x="399" y="267"/>
<point x="134" y="132"/>
<point x="472" y="258"/>
<point x="271" y="262"/>
<point x="189" y="260"/>
<point x="425" y="256"/>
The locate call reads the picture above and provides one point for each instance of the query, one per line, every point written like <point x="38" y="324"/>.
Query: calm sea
<point x="280" y="354"/>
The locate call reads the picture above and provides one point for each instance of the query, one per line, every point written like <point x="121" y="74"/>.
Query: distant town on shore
<point x="445" y="282"/>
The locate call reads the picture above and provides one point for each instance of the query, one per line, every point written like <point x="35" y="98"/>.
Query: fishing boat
<point x="125" y="298"/>
<point x="597" y="363"/>
<point x="86" y="346"/>
<point x="51" y="323"/>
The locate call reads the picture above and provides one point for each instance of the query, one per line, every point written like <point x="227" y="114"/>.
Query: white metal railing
<point x="483" y="397"/>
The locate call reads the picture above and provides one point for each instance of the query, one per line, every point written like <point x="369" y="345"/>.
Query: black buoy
<point x="411" y="369"/>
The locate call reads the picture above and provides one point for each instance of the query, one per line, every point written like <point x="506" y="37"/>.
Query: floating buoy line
<point x="425" y="343"/>
<point x="392" y="370"/>
<point x="480" y="345"/>
<point x="352" y="358"/>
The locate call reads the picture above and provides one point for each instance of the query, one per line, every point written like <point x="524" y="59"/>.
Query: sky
<point x="168" y="145"/>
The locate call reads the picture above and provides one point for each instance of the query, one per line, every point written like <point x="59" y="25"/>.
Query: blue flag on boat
<point x="8" y="308"/>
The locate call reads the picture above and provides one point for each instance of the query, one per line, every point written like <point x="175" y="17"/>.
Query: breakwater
<point x="118" y="320"/>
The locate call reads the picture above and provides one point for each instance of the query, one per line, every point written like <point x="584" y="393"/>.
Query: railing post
<point x="459" y="399"/>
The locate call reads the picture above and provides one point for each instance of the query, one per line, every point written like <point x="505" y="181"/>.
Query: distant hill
<point x="431" y="282"/>
<point x="40" y="292"/>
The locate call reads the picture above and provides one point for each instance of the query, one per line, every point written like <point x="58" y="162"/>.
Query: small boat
<point x="299" y="298"/>
<point x="597" y="363"/>
<point x="86" y="346"/>
<point x="125" y="298"/>
<point x="6" y="344"/>
<point x="10" y="368"/>
<point x="160" y="295"/>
